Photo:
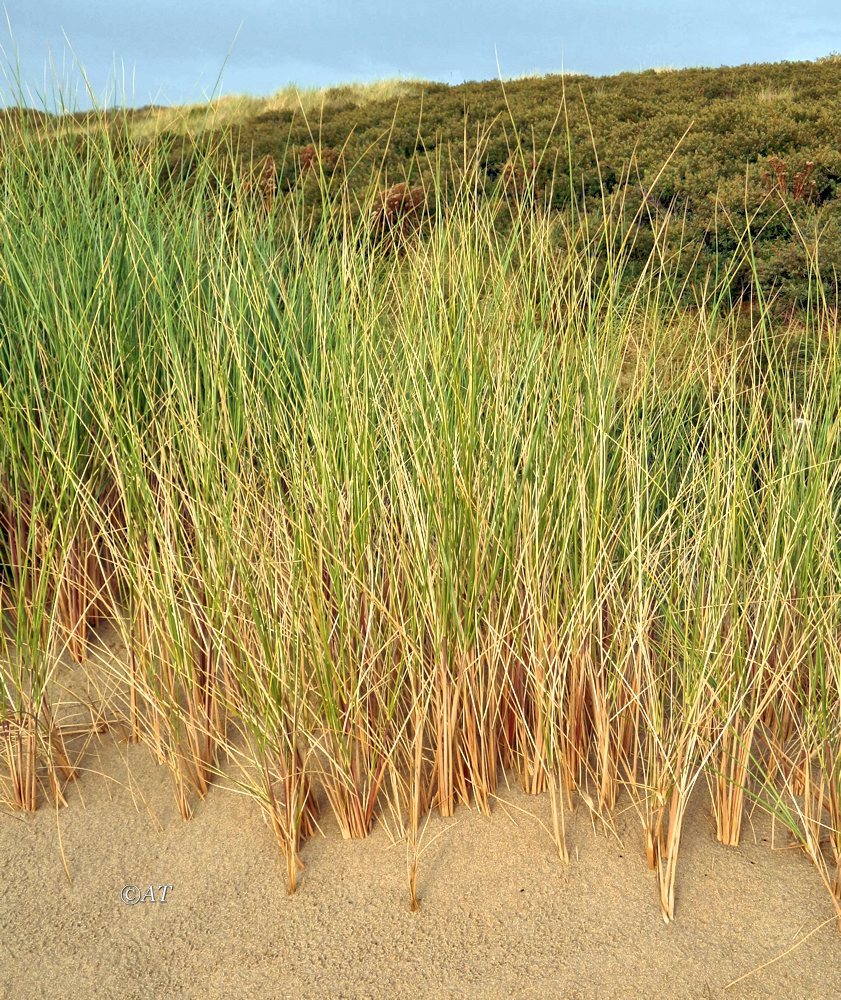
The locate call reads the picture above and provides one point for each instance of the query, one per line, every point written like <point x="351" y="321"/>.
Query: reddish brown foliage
<point x="801" y="187"/>
<point x="313" y="158"/>
<point x="398" y="211"/>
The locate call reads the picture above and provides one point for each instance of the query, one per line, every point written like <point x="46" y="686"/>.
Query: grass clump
<point x="383" y="520"/>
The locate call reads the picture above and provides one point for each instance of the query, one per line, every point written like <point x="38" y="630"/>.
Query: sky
<point x="183" y="51"/>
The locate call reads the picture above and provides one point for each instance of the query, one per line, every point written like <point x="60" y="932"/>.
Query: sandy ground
<point x="498" y="917"/>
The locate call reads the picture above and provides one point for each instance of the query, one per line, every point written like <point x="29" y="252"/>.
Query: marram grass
<point x="383" y="520"/>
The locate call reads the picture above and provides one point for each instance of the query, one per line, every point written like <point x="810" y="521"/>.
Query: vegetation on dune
<point x="380" y="518"/>
<point x="748" y="127"/>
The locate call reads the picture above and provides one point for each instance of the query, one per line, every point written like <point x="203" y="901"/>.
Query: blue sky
<point x="172" y="51"/>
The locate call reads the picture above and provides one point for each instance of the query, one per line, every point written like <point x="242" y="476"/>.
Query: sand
<point x="499" y="915"/>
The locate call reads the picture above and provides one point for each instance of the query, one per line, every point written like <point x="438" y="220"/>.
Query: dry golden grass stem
<point x="291" y="809"/>
<point x="731" y="782"/>
<point x="19" y="740"/>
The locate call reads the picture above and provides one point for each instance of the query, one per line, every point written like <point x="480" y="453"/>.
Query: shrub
<point x="398" y="211"/>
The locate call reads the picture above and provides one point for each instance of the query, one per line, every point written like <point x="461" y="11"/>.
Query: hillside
<point x="749" y="154"/>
